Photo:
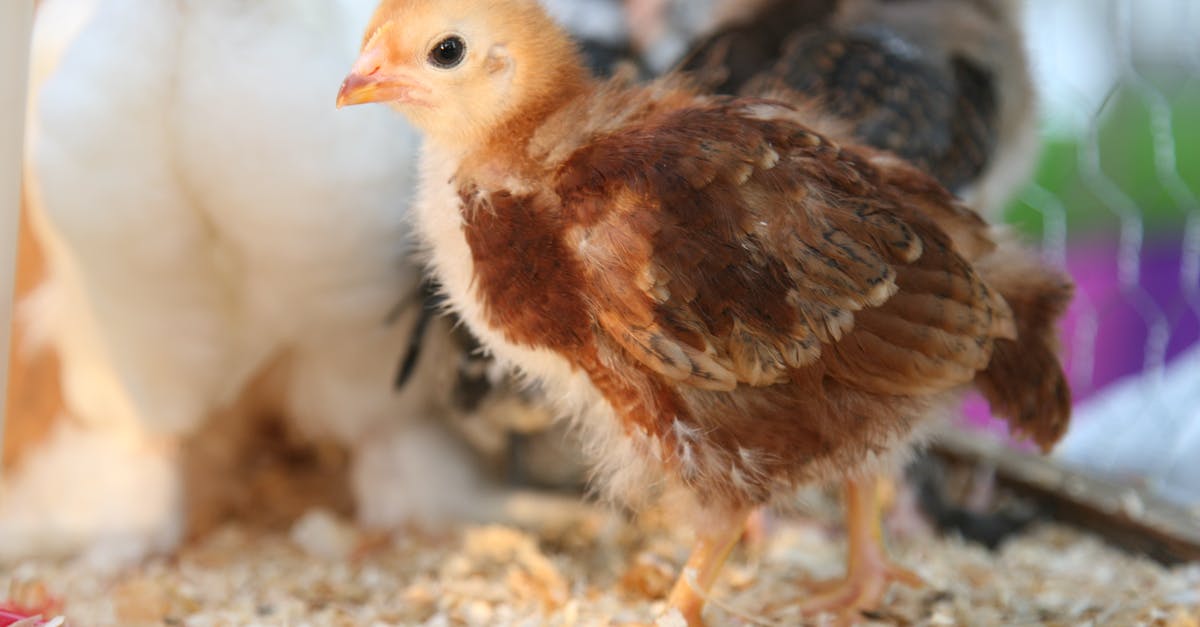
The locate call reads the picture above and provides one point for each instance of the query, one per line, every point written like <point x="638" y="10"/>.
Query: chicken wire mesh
<point x="1115" y="200"/>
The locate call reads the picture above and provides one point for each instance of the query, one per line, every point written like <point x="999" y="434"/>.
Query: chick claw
<point x="861" y="590"/>
<point x="870" y="572"/>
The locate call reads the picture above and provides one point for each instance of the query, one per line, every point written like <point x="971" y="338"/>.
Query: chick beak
<point x="369" y="82"/>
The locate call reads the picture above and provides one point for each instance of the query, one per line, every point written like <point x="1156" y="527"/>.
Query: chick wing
<point x="727" y="244"/>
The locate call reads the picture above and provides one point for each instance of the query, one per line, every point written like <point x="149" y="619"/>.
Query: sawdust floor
<point x="576" y="564"/>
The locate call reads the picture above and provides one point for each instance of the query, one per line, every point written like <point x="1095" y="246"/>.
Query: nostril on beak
<point x="374" y="71"/>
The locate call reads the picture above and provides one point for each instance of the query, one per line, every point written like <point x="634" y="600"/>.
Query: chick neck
<point x="539" y="91"/>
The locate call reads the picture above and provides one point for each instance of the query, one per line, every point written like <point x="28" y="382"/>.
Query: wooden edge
<point x="1128" y="517"/>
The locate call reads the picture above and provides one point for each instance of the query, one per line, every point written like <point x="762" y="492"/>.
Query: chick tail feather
<point x="1024" y="382"/>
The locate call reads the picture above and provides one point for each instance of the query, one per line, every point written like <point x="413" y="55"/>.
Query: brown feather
<point x="1025" y="382"/>
<point x="721" y="266"/>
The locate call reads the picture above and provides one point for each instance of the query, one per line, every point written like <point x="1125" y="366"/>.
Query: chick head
<point x="459" y="69"/>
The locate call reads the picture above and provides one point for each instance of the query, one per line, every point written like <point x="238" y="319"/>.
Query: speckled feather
<point x="937" y="111"/>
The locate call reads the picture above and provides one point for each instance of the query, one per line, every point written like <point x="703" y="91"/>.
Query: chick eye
<point x="448" y="52"/>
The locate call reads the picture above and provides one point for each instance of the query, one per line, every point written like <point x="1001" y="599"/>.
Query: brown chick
<point x="729" y="299"/>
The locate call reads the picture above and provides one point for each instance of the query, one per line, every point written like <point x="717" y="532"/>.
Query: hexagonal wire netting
<point x="1117" y="201"/>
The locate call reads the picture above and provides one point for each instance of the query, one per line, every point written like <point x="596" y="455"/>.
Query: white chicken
<point x="210" y="220"/>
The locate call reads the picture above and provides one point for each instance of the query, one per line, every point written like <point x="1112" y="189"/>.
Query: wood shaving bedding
<point x="587" y="566"/>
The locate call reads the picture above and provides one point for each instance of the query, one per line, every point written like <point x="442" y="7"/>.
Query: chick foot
<point x="869" y="571"/>
<point x="858" y="592"/>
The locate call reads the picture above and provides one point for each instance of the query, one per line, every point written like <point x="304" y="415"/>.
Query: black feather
<point x="432" y="303"/>
<point x="936" y="110"/>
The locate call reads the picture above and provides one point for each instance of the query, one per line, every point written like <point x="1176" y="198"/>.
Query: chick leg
<point x="712" y="547"/>
<point x="869" y="570"/>
<point x="754" y="539"/>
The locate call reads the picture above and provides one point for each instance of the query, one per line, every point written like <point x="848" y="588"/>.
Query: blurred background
<point x="1115" y="199"/>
